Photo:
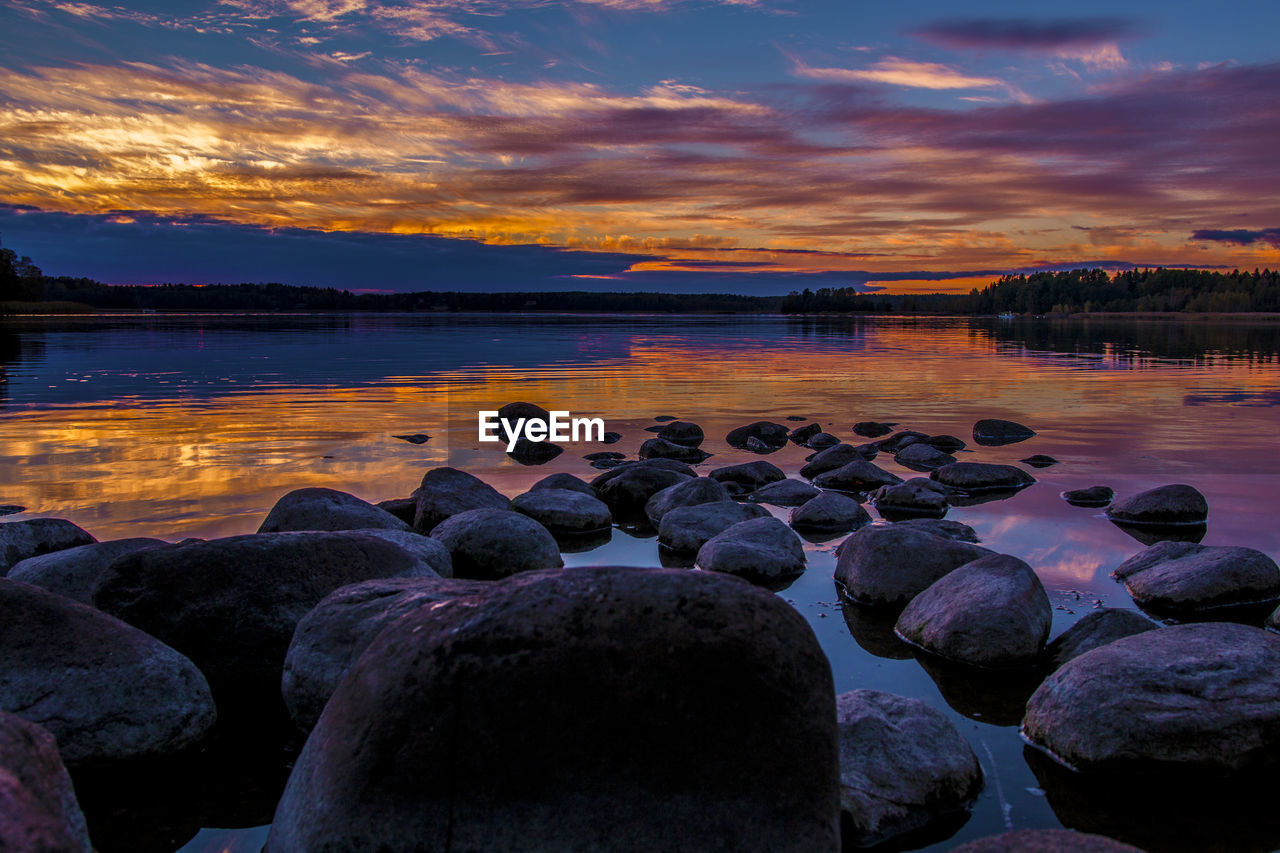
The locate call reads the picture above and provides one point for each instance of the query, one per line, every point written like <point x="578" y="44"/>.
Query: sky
<point x="749" y="146"/>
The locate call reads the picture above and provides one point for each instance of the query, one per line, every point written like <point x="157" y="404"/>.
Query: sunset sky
<point x="752" y="146"/>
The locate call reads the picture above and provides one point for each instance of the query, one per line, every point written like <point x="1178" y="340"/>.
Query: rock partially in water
<point x="1045" y="841"/>
<point x="687" y="528"/>
<point x="612" y="437"/>
<point x="683" y="432"/>
<point x="660" y="448"/>
<point x="692" y="492"/>
<point x="978" y="477"/>
<point x="903" y="766"/>
<point x="762" y="550"/>
<point x="801" y="435"/>
<point x="822" y="441"/>
<point x="939" y="527"/>
<point x="529" y="453"/>
<point x="72" y="572"/>
<point x="656" y="746"/>
<point x="21" y="540"/>
<point x="627" y="488"/>
<point x="513" y="412"/>
<point x="564" y="481"/>
<point x="494" y="543"/>
<point x="901" y="440"/>
<point x="1093" y="631"/>
<point x="992" y="613"/>
<point x="415" y="438"/>
<point x="916" y="497"/>
<point x="831" y="459"/>
<point x="1093" y="496"/>
<point x="326" y="509"/>
<point x="38" y="808"/>
<point x="1184" y="579"/>
<point x="829" y="512"/>
<point x="1039" y="460"/>
<point x="564" y="510"/>
<point x="921" y="456"/>
<point x="945" y="443"/>
<point x="662" y="419"/>
<point x="448" y="491"/>
<point x="1164" y="506"/>
<point x="872" y="429"/>
<point x="770" y="434"/>
<point x="755" y="445"/>
<point x="105" y="690"/>
<point x="892" y="564"/>
<point x="784" y="493"/>
<point x="750" y="475"/>
<point x="993" y="432"/>
<point x="11" y="509"/>
<point x="858" y="476"/>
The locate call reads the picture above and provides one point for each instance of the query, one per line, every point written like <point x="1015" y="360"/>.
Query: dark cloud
<point x="1239" y="236"/>
<point x="1026" y="34"/>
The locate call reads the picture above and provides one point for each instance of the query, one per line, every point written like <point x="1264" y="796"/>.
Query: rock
<point x="664" y="418"/>
<point x="1094" y="496"/>
<point x="606" y="464"/>
<point x="326" y="509"/>
<point x="687" y="528"/>
<point x="331" y="637"/>
<point x="72" y="572"/>
<point x="402" y="508"/>
<point x="1039" y="460"/>
<point x="796" y="418"/>
<point x="530" y="453"/>
<point x="755" y="445"/>
<point x="890" y="565"/>
<point x="415" y="438"/>
<point x="917" y="496"/>
<point x="105" y="690"/>
<point x="612" y="437"/>
<point x="872" y="429"/>
<point x="513" y="412"/>
<point x="1163" y="506"/>
<point x="900" y="440"/>
<point x="859" y="476"/>
<point x="903" y="765"/>
<point x="1097" y="629"/>
<point x="597" y="456"/>
<point x="563" y="510"/>
<point x="829" y="512"/>
<point x="564" y="481"/>
<point x="495" y="543"/>
<point x="1185" y="579"/>
<point x="1200" y="699"/>
<point x="230" y="605"/>
<point x="32" y="537"/>
<point x="426" y="551"/>
<point x="660" y="448"/>
<point x="823" y="440"/>
<point x="683" y="432"/>
<point x="11" y="509"/>
<point x="1045" y="841"/>
<point x="920" y="456"/>
<point x="831" y="459"/>
<point x="992" y="613"/>
<point x="761" y="549"/>
<point x="752" y="475"/>
<point x="801" y="435"/>
<point x="654" y="428"/>
<point x="939" y="527"/>
<point x="448" y="491"/>
<point x="38" y="808"/>
<point x="945" y="443"/>
<point x="977" y="477"/>
<point x="993" y="432"/>
<point x="771" y="434"/>
<point x="627" y="488"/>
<point x="591" y="709"/>
<point x="690" y="492"/>
<point x="784" y="493"/>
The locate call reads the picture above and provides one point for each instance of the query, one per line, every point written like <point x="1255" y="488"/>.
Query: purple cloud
<point x="1239" y="236"/>
<point x="1025" y="34"/>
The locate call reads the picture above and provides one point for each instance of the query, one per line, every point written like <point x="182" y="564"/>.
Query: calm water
<point x="194" y="426"/>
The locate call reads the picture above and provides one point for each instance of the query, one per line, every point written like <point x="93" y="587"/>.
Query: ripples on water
<point x="194" y="426"/>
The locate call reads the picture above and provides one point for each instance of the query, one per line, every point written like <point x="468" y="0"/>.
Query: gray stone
<point x="752" y="475"/>
<point x="1097" y="629"/>
<point x="627" y="488"/>
<point x="326" y="509"/>
<point x="660" y="448"/>
<point x="1177" y="504"/>
<point x="760" y="549"/>
<point x="888" y="565"/>
<point x="829" y="512"/>
<point x="1093" y="496"/>
<point x="858" y="476"/>
<point x="402" y="508"/>
<point x="564" y="510"/>
<point x="831" y="459"/>
<point x="784" y="493"/>
<point x="917" y="495"/>
<point x="993" y="432"/>
<point x="801" y="435"/>
<point x="822" y="441"/>
<point x="494" y="543"/>
<point x="21" y="540"/>
<point x="530" y="453"/>
<point x="682" y="432"/>
<point x="872" y="429"/>
<point x="690" y="492"/>
<point x="1039" y="460"/>
<point x="900" y="440"/>
<point x="1045" y="841"/>
<point x="945" y="443"/>
<point x="939" y="527"/>
<point x="566" y="481"/>
<point x="1185" y="579"/>
<point x="770" y="434"/>
<point x="448" y="491"/>
<point x="978" y="477"/>
<point x="687" y="528"/>
<point x="72" y="572"/>
<point x="921" y="456"/>
<point x="38" y="808"/>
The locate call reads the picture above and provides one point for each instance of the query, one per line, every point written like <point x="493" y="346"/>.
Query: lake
<point x="180" y="426"/>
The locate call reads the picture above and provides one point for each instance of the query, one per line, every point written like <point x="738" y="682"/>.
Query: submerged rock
<point x="1185" y="579"/>
<point x="690" y="492"/>
<point x="859" y="476"/>
<point x="683" y="432"/>
<point x="872" y="429"/>
<point x="564" y="510"/>
<point x="448" y="491"/>
<point x="415" y="438"/>
<point x="917" y="496"/>
<point x="1039" y="460"/>
<point x="978" y="477"/>
<point x="945" y="443"/>
<point x="660" y="448"/>
<point x="921" y="456"/>
<point x="829" y="512"/>
<point x="751" y="475"/>
<point x="1093" y="496"/>
<point x="993" y="432"/>
<point x="21" y="540"/>
<point x="326" y="509"/>
<point x="72" y="572"/>
<point x="784" y="493"/>
<point x="1093" y="631"/>
<point x="494" y="543"/>
<point x="687" y="528"/>
<point x="770" y="434"/>
<point x="760" y="549"/>
<point x="612" y="437"/>
<point x="1163" y="506"/>
<point x="38" y="808"/>
<point x="831" y="459"/>
<point x="823" y="440"/>
<point x="900" y="440"/>
<point x="892" y="564"/>
<point x="801" y="435"/>
<point x="530" y="453"/>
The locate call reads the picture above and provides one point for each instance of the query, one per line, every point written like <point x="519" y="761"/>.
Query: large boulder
<point x="829" y="512"/>
<point x="38" y="808"/>
<point x="687" y="528"/>
<point x="563" y="510"/>
<point x="760" y="549"/>
<point x="1045" y="841"/>
<point x="1185" y="579"/>
<point x="993" y="613"/>
<point x="890" y="565"/>
<point x="231" y="605"/>
<point x="903" y="765"/>
<point x="20" y="540"/>
<point x="784" y="493"/>
<point x="993" y="432"/>
<point x="857" y="476"/>
<point x="105" y="690"/>
<point x="766" y="432"/>
<point x="1163" y="506"/>
<point x="336" y="632"/>
<point x="692" y="492"/>
<point x="72" y="572"/>
<point x="593" y="709"/>
<point x="978" y="477"/>
<point x="1202" y="698"/>
<point x="326" y="509"/>
<point x="1093" y="631"/>
<point x="493" y="543"/>
<point x="627" y="488"/>
<point x="448" y="491"/>
<point x="749" y="475"/>
<point x="941" y="527"/>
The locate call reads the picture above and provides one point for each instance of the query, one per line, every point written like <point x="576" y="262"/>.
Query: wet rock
<point x="771" y="434"/>
<point x="402" y="508"/>
<point x="796" y="418"/>
<point x="711" y="663"/>
<point x="601" y="454"/>
<point x="564" y="510"/>
<point x="992" y="613"/>
<point x="326" y="509"/>
<point x="612" y="437"/>
<point x="425" y="550"/>
<point x="903" y="765"/>
<point x="38" y="808"/>
<point x="784" y="493"/>
<point x="890" y="565"/>
<point x="415" y="438"/>
<point x="1097" y="629"/>
<point x="823" y="440"/>
<point x="917" y="496"/>
<point x="564" y="481"/>
<point x="858" y="476"/>
<point x="801" y="435"/>
<point x="900" y="440"/>
<point x="752" y="475"/>
<point x="448" y="491"/>
<point x="761" y="549"/>
<point x="11" y="509"/>
<point x="32" y="537"/>
<point x="872" y="429"/>
<point x="692" y="492"/>
<point x="1163" y="506"/>
<point x="660" y="448"/>
<point x="938" y="527"/>
<point x="945" y="443"/>
<point x="105" y="690"/>
<point x="687" y="528"/>
<point x="627" y="488"/>
<point x="1185" y="579"/>
<point x="829" y="512"/>
<point x="1093" y="496"/>
<point x="606" y="464"/>
<point x="530" y="453"/>
<point x="683" y="432"/>
<point x="978" y="477"/>
<point x="1045" y="841"/>
<point x="513" y="412"/>
<point x="993" y="432"/>
<point x="922" y="457"/>
<point x="72" y="572"/>
<point x="331" y="637"/>
<point x="662" y="419"/>
<point x="831" y="459"/>
<point x="1039" y="460"/>
<point x="495" y="543"/>
<point x="755" y="445"/>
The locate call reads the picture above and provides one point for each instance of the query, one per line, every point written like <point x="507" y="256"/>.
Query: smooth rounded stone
<point x="597" y="456"/>
<point x="1093" y="496"/>
<point x="888" y="565"/>
<point x="660" y="448"/>
<point x="627" y="488"/>
<point x="655" y="428"/>
<point x="903" y="765"/>
<point x="920" y="456"/>
<point x="755" y="445"/>
<point x="784" y="493"/>
<point x="326" y="509"/>
<point x="978" y="477"/>
<point x="38" y="808"/>
<point x="331" y="637"/>
<point x="20" y="540"/>
<point x="1201" y="698"/>
<point x="414" y="438"/>
<point x="858" y="476"/>
<point x="105" y="690"/>
<point x="801" y="435"/>
<point x="831" y="459"/>
<point x="760" y="549"/>
<point x="687" y="528"/>
<point x="796" y="418"/>
<point x="402" y="508"/>
<point x="699" y="490"/>
<point x="1097" y="629"/>
<point x="822" y="441"/>
<point x="538" y="738"/>
<point x="448" y="491"/>
<point x="494" y="543"/>
<point x="683" y="432"/>
<point x="829" y="512"/>
<point x="230" y="605"/>
<point x="662" y="419"/>
<point x="564" y="481"/>
<point x="872" y="429"/>
<point x="1186" y="579"/>
<point x="992" y="613"/>
<point x="957" y="530"/>
<point x="993" y="432"/>
<point x="752" y="475"/>
<point x="612" y="437"/>
<point x="513" y="412"/>
<point x="900" y="440"/>
<point x="1045" y="841"/>
<point x="11" y="509"/>
<point x="606" y="464"/>
<point x="425" y="550"/>
<point x="770" y="434"/>
<point x="1163" y="506"/>
<point x="529" y="453"/>
<point x="918" y="496"/>
<point x="945" y="443"/>
<point x="1039" y="460"/>
<point x="564" y="510"/>
<point x="72" y="572"/>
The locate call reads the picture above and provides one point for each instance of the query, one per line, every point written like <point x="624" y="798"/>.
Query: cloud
<point x="1239" y="236"/>
<point x="902" y="72"/>
<point x="1026" y="34"/>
